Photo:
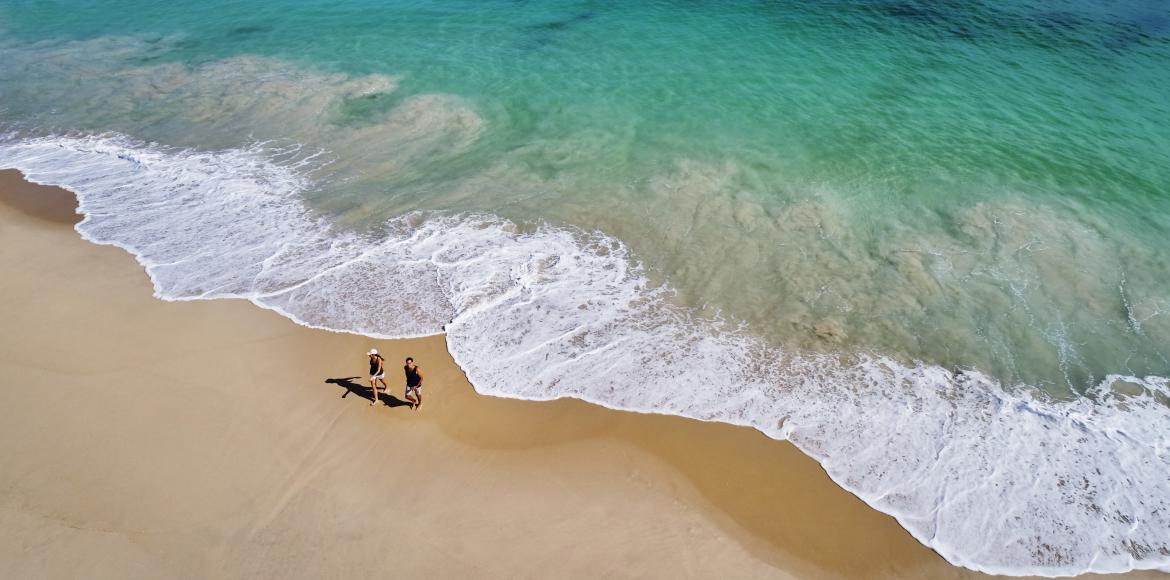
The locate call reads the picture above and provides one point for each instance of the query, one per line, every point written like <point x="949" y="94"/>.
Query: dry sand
<point x="150" y="439"/>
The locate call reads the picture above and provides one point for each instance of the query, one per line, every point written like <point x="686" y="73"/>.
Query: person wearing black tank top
<point x="414" y="383"/>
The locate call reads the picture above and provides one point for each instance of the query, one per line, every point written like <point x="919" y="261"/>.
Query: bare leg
<point x="418" y="393"/>
<point x="374" y="389"/>
<point x="384" y="385"/>
<point x="409" y="397"/>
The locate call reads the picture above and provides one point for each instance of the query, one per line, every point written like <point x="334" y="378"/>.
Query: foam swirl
<point x="1003" y="480"/>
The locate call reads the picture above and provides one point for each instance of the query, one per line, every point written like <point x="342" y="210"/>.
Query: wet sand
<point x="214" y="439"/>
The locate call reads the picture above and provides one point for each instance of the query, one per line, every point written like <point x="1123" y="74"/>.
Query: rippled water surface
<point x="973" y="184"/>
<point x="938" y="210"/>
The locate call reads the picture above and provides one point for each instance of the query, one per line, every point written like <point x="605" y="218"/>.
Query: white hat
<point x="373" y="351"/>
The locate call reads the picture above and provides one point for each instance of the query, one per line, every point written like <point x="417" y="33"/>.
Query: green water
<point x="975" y="184"/>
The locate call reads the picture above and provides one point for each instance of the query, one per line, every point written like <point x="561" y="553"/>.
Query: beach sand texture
<point x="150" y="439"/>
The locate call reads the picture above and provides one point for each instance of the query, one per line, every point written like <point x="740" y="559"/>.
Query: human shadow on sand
<point x="364" y="392"/>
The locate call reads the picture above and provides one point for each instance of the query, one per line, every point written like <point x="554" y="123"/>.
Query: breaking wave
<point x="1002" y="479"/>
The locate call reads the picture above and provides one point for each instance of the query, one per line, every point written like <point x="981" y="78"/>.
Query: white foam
<point x="999" y="480"/>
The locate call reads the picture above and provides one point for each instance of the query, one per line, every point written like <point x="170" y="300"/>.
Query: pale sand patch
<point x="147" y="439"/>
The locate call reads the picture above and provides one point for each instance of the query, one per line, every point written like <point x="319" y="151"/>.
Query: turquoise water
<point x="979" y="186"/>
<point x="966" y="184"/>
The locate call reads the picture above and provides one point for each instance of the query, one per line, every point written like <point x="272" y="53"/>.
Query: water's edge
<point x="505" y="298"/>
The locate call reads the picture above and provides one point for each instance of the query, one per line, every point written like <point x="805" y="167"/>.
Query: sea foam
<point x="999" y="479"/>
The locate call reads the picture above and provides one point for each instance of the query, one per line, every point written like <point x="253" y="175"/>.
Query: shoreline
<point x="279" y="467"/>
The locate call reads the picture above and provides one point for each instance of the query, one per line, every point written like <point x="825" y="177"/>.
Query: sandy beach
<point x="214" y="439"/>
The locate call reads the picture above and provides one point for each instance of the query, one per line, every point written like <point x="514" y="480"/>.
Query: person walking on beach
<point x="377" y="373"/>
<point x="414" y="380"/>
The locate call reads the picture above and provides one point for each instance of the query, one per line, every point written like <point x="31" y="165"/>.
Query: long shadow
<point x="365" y="392"/>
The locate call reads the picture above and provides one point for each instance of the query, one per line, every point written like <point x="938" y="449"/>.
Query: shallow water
<point x="786" y="206"/>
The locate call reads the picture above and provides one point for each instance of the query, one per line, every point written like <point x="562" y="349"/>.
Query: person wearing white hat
<point x="377" y="373"/>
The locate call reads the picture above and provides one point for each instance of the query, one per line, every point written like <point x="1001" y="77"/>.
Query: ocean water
<point x="924" y="241"/>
